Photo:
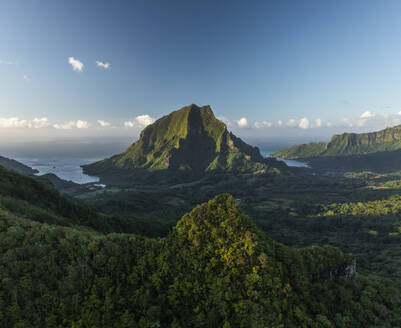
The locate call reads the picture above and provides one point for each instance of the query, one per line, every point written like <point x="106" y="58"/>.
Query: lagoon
<point x="66" y="168"/>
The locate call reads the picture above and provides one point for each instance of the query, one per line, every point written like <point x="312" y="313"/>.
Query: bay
<point x="68" y="169"/>
<point x="289" y="162"/>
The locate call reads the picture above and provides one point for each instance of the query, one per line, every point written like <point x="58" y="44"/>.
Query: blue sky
<point x="318" y="67"/>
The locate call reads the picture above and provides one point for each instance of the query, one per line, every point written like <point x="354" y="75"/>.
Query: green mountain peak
<point x="190" y="140"/>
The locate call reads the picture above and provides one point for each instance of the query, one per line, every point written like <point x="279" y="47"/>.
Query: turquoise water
<point x="289" y="162"/>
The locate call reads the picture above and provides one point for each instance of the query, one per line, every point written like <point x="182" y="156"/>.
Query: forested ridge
<point x="215" y="269"/>
<point x="347" y="144"/>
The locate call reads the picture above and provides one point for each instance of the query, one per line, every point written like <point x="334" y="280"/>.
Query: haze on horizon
<point x="87" y="77"/>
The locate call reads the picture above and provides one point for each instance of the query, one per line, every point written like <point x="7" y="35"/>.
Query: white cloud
<point x="347" y="122"/>
<point x="318" y="123"/>
<point x="26" y="78"/>
<point x="291" y="123"/>
<point x="102" y="64"/>
<point x="15" y="122"/>
<point x="367" y="114"/>
<point x="144" y="120"/>
<point x="81" y="124"/>
<point x="103" y="123"/>
<point x="279" y="122"/>
<point x="39" y="123"/>
<point x="263" y="124"/>
<point x="129" y="124"/>
<point x="303" y="123"/>
<point x="72" y="125"/>
<point x="76" y="64"/>
<point x="242" y="122"/>
<point x="140" y="121"/>
<point x="369" y="121"/>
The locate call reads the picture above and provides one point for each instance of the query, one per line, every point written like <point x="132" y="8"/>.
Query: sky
<point x="277" y="72"/>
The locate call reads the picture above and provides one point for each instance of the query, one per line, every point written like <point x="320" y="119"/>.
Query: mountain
<point x="347" y="144"/>
<point x="187" y="142"/>
<point x="16" y="166"/>
<point x="215" y="269"/>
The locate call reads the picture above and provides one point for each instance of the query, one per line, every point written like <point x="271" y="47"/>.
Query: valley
<point x="200" y="164"/>
<point x="341" y="227"/>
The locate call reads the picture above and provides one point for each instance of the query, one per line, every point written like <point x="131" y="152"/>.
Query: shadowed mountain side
<point x="16" y="166"/>
<point x="385" y="161"/>
<point x="186" y="144"/>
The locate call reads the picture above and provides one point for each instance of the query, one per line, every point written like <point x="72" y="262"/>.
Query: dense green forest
<point x="65" y="265"/>
<point x="290" y="209"/>
<point x="215" y="269"/>
<point x="385" y="207"/>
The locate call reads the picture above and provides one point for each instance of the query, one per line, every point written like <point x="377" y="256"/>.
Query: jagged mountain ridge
<point x="190" y="139"/>
<point x="347" y="144"/>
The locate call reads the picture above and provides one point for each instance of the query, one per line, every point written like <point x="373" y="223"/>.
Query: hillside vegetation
<point x="26" y="197"/>
<point x="347" y="144"/>
<point x="215" y="269"/>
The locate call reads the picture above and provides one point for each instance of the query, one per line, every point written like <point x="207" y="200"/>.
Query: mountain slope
<point x="216" y="269"/>
<point x="347" y="144"/>
<point x="189" y="141"/>
<point x="16" y="166"/>
<point x="26" y="197"/>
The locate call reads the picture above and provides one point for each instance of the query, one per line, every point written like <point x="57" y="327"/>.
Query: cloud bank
<point x="301" y="127"/>
<point x="72" y="125"/>
<point x="15" y="122"/>
<point x="103" y="123"/>
<point x="366" y="120"/>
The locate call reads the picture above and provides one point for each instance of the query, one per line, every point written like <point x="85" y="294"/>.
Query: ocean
<point x="65" y="168"/>
<point x="70" y="168"/>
